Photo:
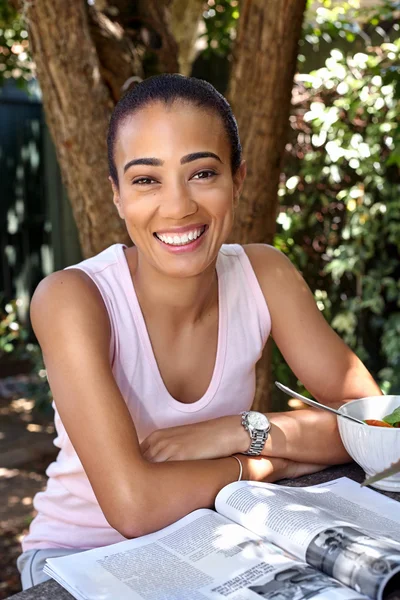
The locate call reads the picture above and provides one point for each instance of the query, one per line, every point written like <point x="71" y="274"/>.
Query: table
<point x="50" y="590"/>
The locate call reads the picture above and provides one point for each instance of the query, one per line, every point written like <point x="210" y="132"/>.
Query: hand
<point x="208" y="439"/>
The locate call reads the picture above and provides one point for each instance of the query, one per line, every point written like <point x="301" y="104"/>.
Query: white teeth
<point x="179" y="240"/>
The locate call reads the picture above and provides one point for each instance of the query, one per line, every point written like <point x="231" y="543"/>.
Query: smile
<point x="181" y="240"/>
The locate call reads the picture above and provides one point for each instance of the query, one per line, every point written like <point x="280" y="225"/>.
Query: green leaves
<point x="393" y="418"/>
<point x="220" y="20"/>
<point x="339" y="218"/>
<point x="15" y="60"/>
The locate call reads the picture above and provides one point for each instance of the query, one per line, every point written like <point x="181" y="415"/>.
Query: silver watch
<point x="258" y="427"/>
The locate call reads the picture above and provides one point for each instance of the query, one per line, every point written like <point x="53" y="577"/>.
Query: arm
<point x="318" y="357"/>
<point x="73" y="329"/>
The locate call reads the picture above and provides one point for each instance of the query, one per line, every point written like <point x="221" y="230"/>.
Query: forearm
<point x="162" y="493"/>
<point x="308" y="435"/>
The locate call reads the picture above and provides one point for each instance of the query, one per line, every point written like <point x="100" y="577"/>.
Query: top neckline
<point x="133" y="301"/>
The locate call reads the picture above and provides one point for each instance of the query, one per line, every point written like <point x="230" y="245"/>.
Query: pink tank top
<point x="69" y="515"/>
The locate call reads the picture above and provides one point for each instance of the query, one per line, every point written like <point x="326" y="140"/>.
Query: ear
<point x="116" y="198"/>
<point x="238" y="181"/>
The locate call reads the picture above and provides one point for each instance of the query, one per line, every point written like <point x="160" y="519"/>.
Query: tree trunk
<point x="77" y="102"/>
<point x="260" y="93"/>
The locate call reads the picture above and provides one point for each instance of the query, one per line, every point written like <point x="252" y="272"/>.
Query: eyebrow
<point x="150" y="162"/>
<point x="196" y="155"/>
<point x="156" y="162"/>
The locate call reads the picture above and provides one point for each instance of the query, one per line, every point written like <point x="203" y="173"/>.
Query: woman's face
<point x="176" y="189"/>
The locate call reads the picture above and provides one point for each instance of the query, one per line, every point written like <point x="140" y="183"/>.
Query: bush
<point x="339" y="220"/>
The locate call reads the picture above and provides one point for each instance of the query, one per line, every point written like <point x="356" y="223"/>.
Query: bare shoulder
<point x="71" y="288"/>
<point x="65" y="298"/>
<point x="261" y="255"/>
<point x="71" y="278"/>
<point x="271" y="266"/>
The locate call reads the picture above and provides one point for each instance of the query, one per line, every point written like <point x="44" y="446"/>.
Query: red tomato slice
<point x="376" y="423"/>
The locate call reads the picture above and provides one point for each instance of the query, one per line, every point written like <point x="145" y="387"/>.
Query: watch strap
<point x="258" y="439"/>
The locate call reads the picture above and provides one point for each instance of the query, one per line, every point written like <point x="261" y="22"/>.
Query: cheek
<point x="137" y="209"/>
<point x="220" y="202"/>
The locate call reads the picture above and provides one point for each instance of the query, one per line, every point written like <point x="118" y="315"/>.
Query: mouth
<point x="185" y="239"/>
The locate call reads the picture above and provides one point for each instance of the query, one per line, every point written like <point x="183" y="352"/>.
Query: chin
<point x="184" y="266"/>
<point x="183" y="271"/>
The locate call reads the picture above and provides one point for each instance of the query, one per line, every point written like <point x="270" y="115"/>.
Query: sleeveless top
<point x="69" y="515"/>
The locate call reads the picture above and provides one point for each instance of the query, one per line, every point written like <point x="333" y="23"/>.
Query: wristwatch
<point x="258" y="427"/>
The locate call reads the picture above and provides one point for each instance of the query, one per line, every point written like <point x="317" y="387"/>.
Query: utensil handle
<point x="315" y="404"/>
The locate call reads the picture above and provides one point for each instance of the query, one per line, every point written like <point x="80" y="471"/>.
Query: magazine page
<point x="203" y="556"/>
<point x="367" y="509"/>
<point x="336" y="527"/>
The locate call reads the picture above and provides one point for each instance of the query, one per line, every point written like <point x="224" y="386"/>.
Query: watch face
<point x="258" y="420"/>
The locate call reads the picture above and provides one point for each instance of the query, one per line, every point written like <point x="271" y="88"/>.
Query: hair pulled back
<point x="169" y="88"/>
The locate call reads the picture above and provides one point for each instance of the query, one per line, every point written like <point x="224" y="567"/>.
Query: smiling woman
<point x="152" y="348"/>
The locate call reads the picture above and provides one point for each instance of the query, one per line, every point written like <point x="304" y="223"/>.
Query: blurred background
<point x="330" y="177"/>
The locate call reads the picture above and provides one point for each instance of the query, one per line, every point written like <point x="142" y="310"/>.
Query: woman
<point x="150" y="350"/>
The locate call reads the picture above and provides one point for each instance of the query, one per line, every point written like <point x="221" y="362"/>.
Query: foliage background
<point x="15" y="62"/>
<point x="339" y="220"/>
<point x="339" y="216"/>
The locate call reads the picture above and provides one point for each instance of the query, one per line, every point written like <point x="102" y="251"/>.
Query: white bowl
<point x="373" y="448"/>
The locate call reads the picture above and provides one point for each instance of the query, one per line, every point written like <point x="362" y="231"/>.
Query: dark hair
<point x="169" y="88"/>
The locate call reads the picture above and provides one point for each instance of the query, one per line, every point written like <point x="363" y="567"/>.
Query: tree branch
<point x="111" y="42"/>
<point x="185" y="19"/>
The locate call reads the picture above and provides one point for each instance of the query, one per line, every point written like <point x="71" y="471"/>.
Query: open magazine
<point x="264" y="541"/>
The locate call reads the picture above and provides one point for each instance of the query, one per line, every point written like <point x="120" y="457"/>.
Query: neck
<point x="184" y="300"/>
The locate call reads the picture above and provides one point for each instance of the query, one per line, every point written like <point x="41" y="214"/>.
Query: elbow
<point x="132" y="515"/>
<point x="133" y="523"/>
<point x="129" y="525"/>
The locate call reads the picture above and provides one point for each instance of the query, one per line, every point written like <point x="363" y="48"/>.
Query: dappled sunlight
<point x="18" y="488"/>
<point x="7" y="473"/>
<point x="22" y="405"/>
<point x="228" y="537"/>
<point x="301" y="508"/>
<point x="296" y="404"/>
<point x="36" y="428"/>
<point x="26" y="449"/>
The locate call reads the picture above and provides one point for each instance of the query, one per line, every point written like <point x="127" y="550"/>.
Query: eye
<point x="206" y="174"/>
<point x="143" y="181"/>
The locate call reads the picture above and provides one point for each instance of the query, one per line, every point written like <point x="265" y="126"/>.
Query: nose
<point x="177" y="203"/>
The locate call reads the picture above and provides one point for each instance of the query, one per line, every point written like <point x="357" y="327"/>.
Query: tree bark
<point x="118" y="58"/>
<point x="260" y="92"/>
<point x="77" y="103"/>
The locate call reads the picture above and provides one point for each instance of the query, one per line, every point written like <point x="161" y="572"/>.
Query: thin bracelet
<point x="240" y="466"/>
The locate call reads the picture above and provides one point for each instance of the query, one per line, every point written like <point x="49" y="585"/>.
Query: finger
<point x="165" y="451"/>
<point x="162" y="456"/>
<point x="150" y="441"/>
<point x="156" y="449"/>
<point x="147" y="455"/>
<point x="144" y="446"/>
<point x="146" y="443"/>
